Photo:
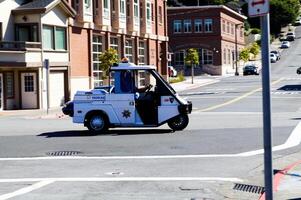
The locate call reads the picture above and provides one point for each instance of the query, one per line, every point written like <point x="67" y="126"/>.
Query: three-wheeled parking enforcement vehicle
<point x="137" y="96"/>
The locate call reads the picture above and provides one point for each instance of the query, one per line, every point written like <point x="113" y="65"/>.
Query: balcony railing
<point x="19" y="45"/>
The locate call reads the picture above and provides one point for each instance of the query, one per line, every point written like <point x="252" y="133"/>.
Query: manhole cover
<point x="63" y="153"/>
<point x="248" y="188"/>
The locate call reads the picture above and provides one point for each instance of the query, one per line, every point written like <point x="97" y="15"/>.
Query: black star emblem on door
<point x="126" y="114"/>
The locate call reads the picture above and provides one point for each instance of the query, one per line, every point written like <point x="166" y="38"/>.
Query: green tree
<point x="254" y="49"/>
<point x="107" y="59"/>
<point x="244" y="54"/>
<point x="283" y="13"/>
<point x="192" y="59"/>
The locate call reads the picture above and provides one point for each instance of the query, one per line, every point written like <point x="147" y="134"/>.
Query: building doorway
<point x="29" y="90"/>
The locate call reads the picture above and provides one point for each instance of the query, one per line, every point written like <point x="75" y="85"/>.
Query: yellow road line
<point x="237" y="98"/>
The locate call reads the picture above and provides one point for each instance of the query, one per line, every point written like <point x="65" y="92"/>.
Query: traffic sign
<point x="258" y="8"/>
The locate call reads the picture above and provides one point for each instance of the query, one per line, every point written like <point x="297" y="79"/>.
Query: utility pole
<point x="261" y="8"/>
<point x="46" y="62"/>
<point x="266" y="95"/>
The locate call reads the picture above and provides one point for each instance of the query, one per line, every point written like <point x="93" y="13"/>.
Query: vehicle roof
<point x="132" y="66"/>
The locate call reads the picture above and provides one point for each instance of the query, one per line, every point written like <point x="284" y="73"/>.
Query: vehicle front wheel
<point x="178" y="123"/>
<point x="97" y="123"/>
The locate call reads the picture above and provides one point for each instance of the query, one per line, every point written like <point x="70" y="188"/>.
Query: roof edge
<point x="209" y="6"/>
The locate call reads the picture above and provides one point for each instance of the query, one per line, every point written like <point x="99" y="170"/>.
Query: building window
<point x="225" y="56"/>
<point x="241" y="32"/>
<point x="224" y="26"/>
<point x="228" y="27"/>
<point x="60" y="38"/>
<point x="88" y="7"/>
<point x="54" y="38"/>
<point x="160" y="15"/>
<point x="75" y="5"/>
<point x="28" y="83"/>
<point x="198" y="25"/>
<point x="97" y="50"/>
<point x="129" y="50"/>
<point x="27" y="32"/>
<point x="122" y="6"/>
<point x="114" y="44"/>
<point x="141" y="53"/>
<point x="9" y="84"/>
<point x="106" y="9"/>
<point x="136" y="13"/>
<point x="207" y="56"/>
<point x="179" y="58"/>
<point x="106" y="4"/>
<point x="208" y="25"/>
<point x="232" y="29"/>
<point x="229" y="56"/>
<point x="136" y="9"/>
<point x="187" y="26"/>
<point x="177" y="26"/>
<point x="48" y="39"/>
<point x="148" y="12"/>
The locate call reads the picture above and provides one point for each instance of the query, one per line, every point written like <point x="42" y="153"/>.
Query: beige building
<point x="31" y="33"/>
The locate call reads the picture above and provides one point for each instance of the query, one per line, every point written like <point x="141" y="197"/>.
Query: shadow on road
<point x="290" y="88"/>
<point x="114" y="132"/>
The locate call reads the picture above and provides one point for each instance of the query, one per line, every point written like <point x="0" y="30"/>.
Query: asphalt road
<point x="205" y="161"/>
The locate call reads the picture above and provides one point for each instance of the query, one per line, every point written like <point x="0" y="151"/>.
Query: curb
<point x="194" y="86"/>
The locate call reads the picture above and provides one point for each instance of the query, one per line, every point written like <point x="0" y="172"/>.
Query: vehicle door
<point x="122" y="98"/>
<point x="167" y="99"/>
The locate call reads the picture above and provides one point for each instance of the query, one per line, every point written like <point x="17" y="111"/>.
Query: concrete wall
<point x="55" y="17"/>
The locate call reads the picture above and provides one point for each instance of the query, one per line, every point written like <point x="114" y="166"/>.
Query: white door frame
<point x="1" y="91"/>
<point x="29" y="99"/>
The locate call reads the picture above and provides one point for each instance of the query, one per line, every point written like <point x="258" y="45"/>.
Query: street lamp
<point x="236" y="52"/>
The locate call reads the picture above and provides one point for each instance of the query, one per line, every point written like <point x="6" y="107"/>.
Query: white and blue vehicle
<point x="139" y="97"/>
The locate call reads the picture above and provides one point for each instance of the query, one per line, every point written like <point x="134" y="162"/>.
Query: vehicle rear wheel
<point x="179" y="123"/>
<point x="97" y="123"/>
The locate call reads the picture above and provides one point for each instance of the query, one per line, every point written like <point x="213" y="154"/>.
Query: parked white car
<point x="285" y="44"/>
<point x="273" y="57"/>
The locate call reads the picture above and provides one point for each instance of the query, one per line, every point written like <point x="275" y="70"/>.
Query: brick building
<point x="216" y="31"/>
<point x="135" y="28"/>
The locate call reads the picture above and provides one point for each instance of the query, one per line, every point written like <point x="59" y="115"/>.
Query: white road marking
<point x="25" y="190"/>
<point x="119" y="179"/>
<point x="293" y="140"/>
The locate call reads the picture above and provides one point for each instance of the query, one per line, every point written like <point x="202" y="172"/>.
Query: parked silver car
<point x="285" y="45"/>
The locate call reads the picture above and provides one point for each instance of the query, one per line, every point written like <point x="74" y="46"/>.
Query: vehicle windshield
<point x="131" y="81"/>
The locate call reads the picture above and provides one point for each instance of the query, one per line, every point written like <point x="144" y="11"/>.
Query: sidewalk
<point x="287" y="178"/>
<point x="198" y="81"/>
